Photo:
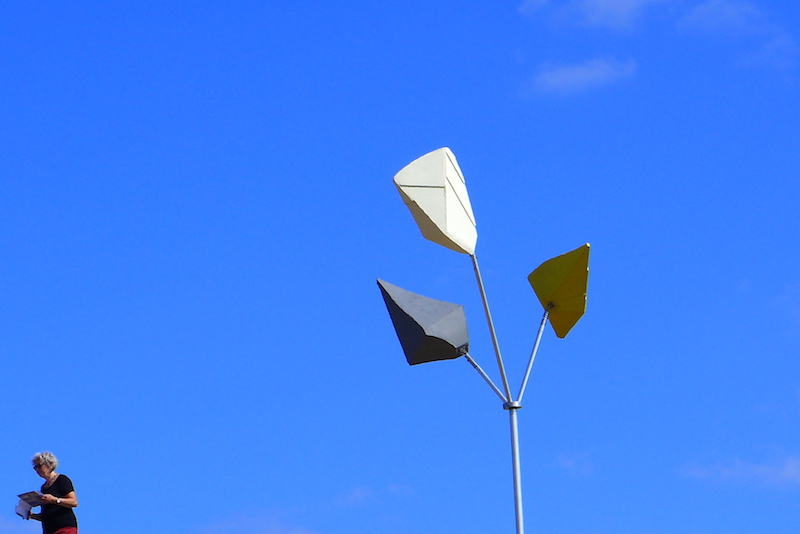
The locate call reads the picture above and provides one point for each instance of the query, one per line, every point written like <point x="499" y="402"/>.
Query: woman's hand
<point x="70" y="500"/>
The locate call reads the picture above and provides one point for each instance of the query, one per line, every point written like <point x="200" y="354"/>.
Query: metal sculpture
<point x="434" y="190"/>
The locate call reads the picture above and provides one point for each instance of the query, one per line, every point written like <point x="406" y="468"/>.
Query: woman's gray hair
<point x="47" y="458"/>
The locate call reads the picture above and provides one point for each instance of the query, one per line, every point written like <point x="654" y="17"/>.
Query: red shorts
<point x="67" y="530"/>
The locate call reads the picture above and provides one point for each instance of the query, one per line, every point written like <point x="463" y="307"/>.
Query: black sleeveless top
<point x="55" y="516"/>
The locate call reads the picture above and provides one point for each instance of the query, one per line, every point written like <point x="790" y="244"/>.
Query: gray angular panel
<point x="429" y="330"/>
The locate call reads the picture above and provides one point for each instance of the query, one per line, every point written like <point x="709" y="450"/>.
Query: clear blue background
<point x="197" y="199"/>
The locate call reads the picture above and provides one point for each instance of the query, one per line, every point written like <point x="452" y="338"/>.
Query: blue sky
<point x="197" y="199"/>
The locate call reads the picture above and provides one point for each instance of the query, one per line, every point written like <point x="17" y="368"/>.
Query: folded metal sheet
<point x="434" y="189"/>
<point x="428" y="329"/>
<point x="560" y="284"/>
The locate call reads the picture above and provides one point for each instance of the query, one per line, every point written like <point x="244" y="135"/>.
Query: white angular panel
<point x="435" y="192"/>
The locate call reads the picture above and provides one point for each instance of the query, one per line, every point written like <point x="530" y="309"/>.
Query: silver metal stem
<point x="533" y="354"/>
<point x="491" y="326"/>
<point x="486" y="377"/>
<point x="512" y="408"/>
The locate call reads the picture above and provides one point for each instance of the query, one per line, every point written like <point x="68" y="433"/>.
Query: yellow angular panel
<point x="560" y="284"/>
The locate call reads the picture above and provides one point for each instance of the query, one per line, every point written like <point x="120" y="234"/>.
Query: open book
<point x="26" y="502"/>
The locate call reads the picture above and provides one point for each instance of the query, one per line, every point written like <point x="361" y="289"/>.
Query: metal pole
<point x="512" y="408"/>
<point x="485" y="377"/>
<point x="491" y="326"/>
<point x="533" y="353"/>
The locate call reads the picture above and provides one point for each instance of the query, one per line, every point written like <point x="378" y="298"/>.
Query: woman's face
<point x="43" y="470"/>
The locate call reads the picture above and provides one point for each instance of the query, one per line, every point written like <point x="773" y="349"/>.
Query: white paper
<point x="34" y="498"/>
<point x="22" y="509"/>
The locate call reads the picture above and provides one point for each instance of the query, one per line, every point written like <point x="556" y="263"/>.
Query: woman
<point x="58" y="497"/>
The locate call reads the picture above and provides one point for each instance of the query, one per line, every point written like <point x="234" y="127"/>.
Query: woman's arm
<point x="70" y="500"/>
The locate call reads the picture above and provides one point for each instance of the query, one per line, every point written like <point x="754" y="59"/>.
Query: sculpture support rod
<point x="491" y="326"/>
<point x="512" y="408"/>
<point x="485" y="377"/>
<point x="533" y="355"/>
